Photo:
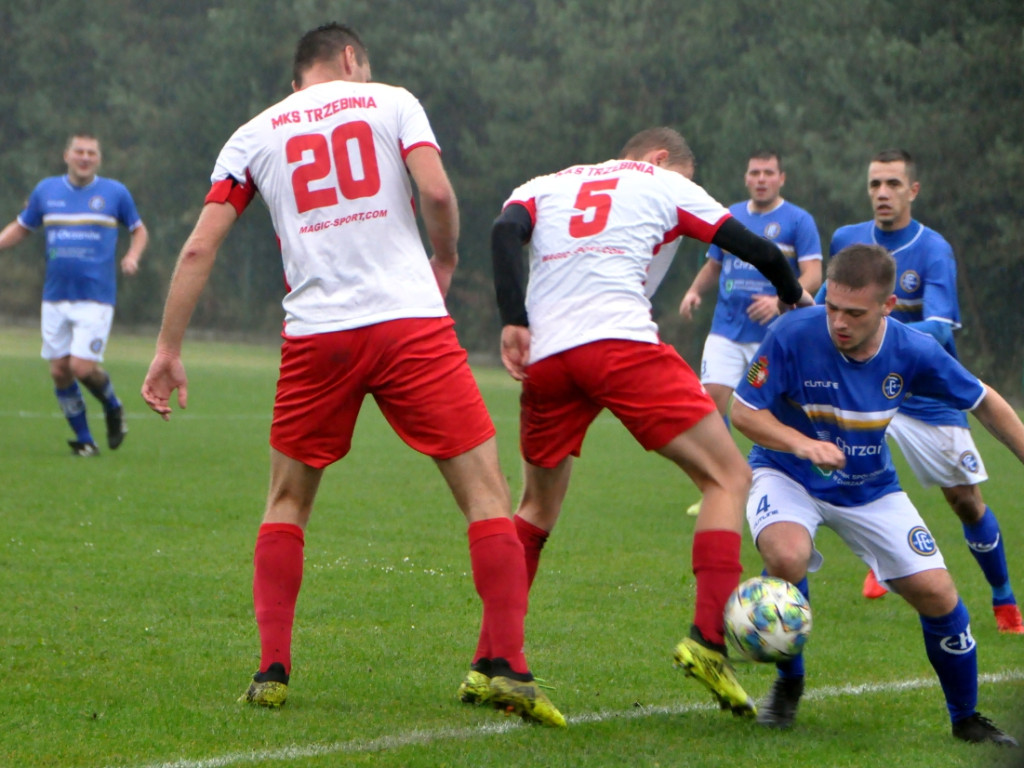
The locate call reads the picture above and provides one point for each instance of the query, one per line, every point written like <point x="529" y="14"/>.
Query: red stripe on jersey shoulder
<point x="229" y="190"/>
<point x="406" y="150"/>
<point x="693" y="226"/>
<point x="530" y="205"/>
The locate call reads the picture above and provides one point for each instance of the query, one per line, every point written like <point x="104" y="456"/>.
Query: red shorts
<point x="648" y="387"/>
<point x="415" y="370"/>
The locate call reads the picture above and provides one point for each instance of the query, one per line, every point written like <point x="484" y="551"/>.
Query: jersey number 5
<point x="353" y="154"/>
<point x="592" y="197"/>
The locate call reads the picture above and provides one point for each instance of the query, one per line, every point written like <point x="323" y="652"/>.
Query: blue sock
<point x="954" y="657"/>
<point x="986" y="544"/>
<point x="795" y="666"/>
<point x="73" y="406"/>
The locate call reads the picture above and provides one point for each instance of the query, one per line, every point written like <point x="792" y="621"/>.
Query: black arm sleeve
<point x="763" y="254"/>
<point x="509" y="233"/>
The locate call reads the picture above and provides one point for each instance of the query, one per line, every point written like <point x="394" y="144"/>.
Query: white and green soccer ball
<point x="767" y="619"/>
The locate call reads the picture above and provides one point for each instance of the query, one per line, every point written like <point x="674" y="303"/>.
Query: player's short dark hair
<point x="766" y="154"/>
<point x="898" y="156"/>
<point x="323" y="44"/>
<point x="862" y="265"/>
<point x="79" y="135"/>
<point x="663" y="137"/>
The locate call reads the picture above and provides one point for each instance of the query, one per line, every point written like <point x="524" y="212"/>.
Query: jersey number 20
<point x="355" y="138"/>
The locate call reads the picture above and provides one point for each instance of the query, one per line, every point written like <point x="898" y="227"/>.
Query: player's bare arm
<point x="706" y="279"/>
<point x="13" y="234"/>
<point x="763" y="428"/>
<point x="139" y="241"/>
<point x="440" y="211"/>
<point x="999" y="418"/>
<point x="167" y="372"/>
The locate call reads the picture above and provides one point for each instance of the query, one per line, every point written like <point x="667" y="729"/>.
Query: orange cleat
<point x="1008" y="619"/>
<point x="872" y="589"/>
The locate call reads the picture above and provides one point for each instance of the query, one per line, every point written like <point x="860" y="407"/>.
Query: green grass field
<point x="127" y="632"/>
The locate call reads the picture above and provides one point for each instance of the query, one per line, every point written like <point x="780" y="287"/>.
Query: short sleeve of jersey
<point x="715" y="253"/>
<point x="127" y="213"/>
<point x="941" y="376"/>
<point x="766" y="380"/>
<point x="414" y="126"/>
<point x="808" y="241"/>
<point x="32" y="216"/>
<point x="940" y="299"/>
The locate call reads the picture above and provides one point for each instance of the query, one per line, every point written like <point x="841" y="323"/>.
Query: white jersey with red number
<point x="603" y="238"/>
<point x="329" y="161"/>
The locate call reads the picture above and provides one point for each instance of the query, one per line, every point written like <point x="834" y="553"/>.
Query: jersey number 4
<point x="596" y="205"/>
<point x="352" y="154"/>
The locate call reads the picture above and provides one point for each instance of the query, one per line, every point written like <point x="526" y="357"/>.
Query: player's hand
<point x="806" y="300"/>
<point x="690" y="302"/>
<point x="443" y="271"/>
<point x="515" y="350"/>
<point x="130" y="264"/>
<point x="763" y="308"/>
<point x="166" y="374"/>
<point x="822" y="454"/>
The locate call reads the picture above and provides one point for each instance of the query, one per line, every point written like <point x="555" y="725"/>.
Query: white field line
<point x="410" y="738"/>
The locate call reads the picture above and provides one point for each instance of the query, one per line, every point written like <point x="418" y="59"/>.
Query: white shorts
<point x="77" y="328"/>
<point x="726" y="361"/>
<point x="888" y="534"/>
<point x="938" y="455"/>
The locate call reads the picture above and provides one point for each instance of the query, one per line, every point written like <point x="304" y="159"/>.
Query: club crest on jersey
<point x="892" y="385"/>
<point x="772" y="229"/>
<point x="96" y="346"/>
<point x="758" y="373"/>
<point x="969" y="462"/>
<point x="921" y="541"/>
<point x="910" y="281"/>
<point x="97" y="203"/>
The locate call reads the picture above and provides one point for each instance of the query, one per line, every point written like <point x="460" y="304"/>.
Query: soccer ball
<point x="767" y="619"/>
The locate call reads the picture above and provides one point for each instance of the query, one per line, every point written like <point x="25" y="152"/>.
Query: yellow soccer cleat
<point x="525" y="699"/>
<point x="267" y="689"/>
<point x="714" y="671"/>
<point x="475" y="688"/>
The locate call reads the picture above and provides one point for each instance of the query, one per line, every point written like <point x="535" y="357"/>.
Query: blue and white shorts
<point x="938" y="455"/>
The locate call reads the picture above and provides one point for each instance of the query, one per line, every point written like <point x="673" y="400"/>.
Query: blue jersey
<point x="925" y="290"/>
<point x="792" y="229"/>
<point x="81" y="235"/>
<point x="808" y="384"/>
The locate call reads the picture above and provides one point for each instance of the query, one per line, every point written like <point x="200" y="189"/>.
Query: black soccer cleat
<point x="778" y="710"/>
<point x="83" y="449"/>
<point x="116" y="428"/>
<point x="977" y="729"/>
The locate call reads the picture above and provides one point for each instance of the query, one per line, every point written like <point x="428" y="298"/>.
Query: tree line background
<point x="516" y="89"/>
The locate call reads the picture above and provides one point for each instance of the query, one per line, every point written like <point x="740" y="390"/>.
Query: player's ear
<point x="890" y="304"/>
<point x="914" y="189"/>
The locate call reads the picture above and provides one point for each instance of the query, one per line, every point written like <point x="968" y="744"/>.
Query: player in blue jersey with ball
<point x="80" y="213"/>
<point x="934" y="437"/>
<point x="817" y="400"/>
<point x="746" y="300"/>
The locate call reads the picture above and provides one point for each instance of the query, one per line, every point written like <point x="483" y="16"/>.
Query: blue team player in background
<point x="816" y="402"/>
<point x="933" y="436"/>
<point x="746" y="300"/>
<point x="80" y="213"/>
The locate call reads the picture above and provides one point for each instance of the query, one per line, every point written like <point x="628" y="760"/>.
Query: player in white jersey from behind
<point x="816" y="402"/>
<point x="579" y="336"/>
<point x="364" y="315"/>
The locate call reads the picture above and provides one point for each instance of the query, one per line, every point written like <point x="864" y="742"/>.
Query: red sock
<point x="716" y="564"/>
<point x="499" y="572"/>
<point x="533" y="539"/>
<point x="275" y="588"/>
